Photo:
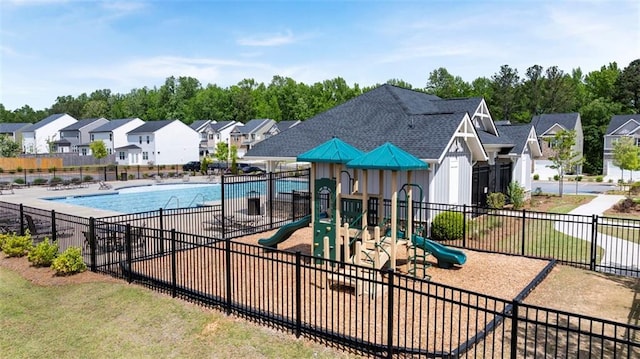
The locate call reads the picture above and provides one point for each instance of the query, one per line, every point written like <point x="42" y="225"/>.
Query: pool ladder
<point x="194" y="199"/>
<point x="169" y="201"/>
<point x="198" y="195"/>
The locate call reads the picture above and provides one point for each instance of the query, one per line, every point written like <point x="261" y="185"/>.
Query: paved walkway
<point x="617" y="252"/>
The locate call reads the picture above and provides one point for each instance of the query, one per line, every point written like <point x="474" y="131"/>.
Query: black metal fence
<point x="604" y="244"/>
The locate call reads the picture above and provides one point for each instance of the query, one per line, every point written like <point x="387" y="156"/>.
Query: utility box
<point x="123" y="176"/>
<point x="253" y="203"/>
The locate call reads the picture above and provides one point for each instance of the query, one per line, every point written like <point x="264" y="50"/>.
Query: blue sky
<point x="51" y="48"/>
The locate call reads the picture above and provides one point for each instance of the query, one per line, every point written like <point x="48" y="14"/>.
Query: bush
<point x="536" y="177"/>
<point x="87" y="178"/>
<point x="43" y="254"/>
<point x="624" y="206"/>
<point x="69" y="262"/>
<point x="516" y="195"/>
<point x="18" y="181"/>
<point x="55" y="180"/>
<point x="495" y="200"/>
<point x="556" y="178"/>
<point x="39" y="181"/>
<point x="3" y="239"/>
<point x="17" y="246"/>
<point x="447" y="226"/>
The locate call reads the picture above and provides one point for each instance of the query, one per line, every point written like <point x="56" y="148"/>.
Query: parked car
<point x="191" y="166"/>
<point x="217" y="166"/>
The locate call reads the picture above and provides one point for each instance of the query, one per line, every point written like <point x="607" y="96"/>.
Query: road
<point x="573" y="187"/>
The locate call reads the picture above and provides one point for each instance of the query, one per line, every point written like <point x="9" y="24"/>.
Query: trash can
<point x="253" y="203"/>
<point x="123" y="176"/>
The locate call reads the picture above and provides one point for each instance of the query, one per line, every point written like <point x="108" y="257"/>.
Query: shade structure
<point x="332" y="151"/>
<point x="388" y="157"/>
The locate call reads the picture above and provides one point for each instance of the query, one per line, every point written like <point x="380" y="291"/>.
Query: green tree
<point x="504" y="85"/>
<point x="443" y="84"/>
<point x="602" y="83"/>
<point x="626" y="155"/>
<point x="595" y="117"/>
<point x="628" y="86"/>
<point x="8" y="147"/>
<point x="564" y="157"/>
<point x="222" y="152"/>
<point x="98" y="149"/>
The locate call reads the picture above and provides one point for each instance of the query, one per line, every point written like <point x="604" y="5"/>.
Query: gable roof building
<point x="246" y="136"/>
<point x="13" y="130"/>
<point x="114" y="133"/>
<point x="619" y="126"/>
<point x="546" y="126"/>
<point x="76" y="135"/>
<point x="37" y="137"/>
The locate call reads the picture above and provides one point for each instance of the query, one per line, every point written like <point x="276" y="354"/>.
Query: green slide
<point x="285" y="232"/>
<point x="446" y="256"/>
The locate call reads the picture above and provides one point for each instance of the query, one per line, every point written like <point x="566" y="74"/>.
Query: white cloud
<point x="278" y="39"/>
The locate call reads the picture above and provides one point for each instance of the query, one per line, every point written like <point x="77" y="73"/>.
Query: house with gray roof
<point x="13" y="130"/>
<point x="547" y="126"/>
<point x="207" y="135"/>
<point x="76" y="136"/>
<point x="446" y="140"/>
<point x="113" y="134"/>
<point x="244" y="137"/>
<point x="284" y="125"/>
<point x="619" y="126"/>
<point x="166" y="142"/>
<point x="39" y="137"/>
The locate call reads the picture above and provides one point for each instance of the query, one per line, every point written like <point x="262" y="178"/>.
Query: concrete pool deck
<point x="34" y="196"/>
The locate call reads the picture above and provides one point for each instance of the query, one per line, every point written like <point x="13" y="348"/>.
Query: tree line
<point x="510" y="96"/>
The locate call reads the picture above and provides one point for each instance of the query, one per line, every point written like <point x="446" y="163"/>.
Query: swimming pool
<point x="169" y="196"/>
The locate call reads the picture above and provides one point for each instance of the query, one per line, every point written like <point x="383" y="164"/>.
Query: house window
<point x="211" y="136"/>
<point x="637" y="141"/>
<point x="84" y="151"/>
<point x="139" y="139"/>
<point x="111" y="137"/>
<point x="92" y="138"/>
<point x="217" y="136"/>
<point x="110" y="151"/>
<point x="75" y="149"/>
<point x="122" y="156"/>
<point x="145" y="156"/>
<point x="147" y="139"/>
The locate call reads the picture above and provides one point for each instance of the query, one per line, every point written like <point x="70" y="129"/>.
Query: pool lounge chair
<point x="6" y="187"/>
<point x="40" y="230"/>
<point x="104" y="185"/>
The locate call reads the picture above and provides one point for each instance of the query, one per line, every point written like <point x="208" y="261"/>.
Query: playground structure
<point x="349" y="223"/>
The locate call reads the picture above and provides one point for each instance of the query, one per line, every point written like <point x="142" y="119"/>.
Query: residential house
<point x="114" y="133"/>
<point x="547" y="125"/>
<point x="75" y="137"/>
<point x="620" y="126"/>
<point x="39" y="137"/>
<point x="13" y="131"/>
<point x="446" y="140"/>
<point x="525" y="150"/>
<point x="284" y="125"/>
<point x="246" y="136"/>
<point x="207" y="136"/>
<point x="164" y="142"/>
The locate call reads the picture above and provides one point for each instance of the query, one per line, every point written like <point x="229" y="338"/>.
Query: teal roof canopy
<point x="388" y="157"/>
<point x="332" y="151"/>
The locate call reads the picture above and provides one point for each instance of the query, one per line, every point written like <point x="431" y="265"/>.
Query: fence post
<point x="270" y="197"/>
<point x="21" y="219"/>
<point x="390" y="304"/>
<point x="524" y="220"/>
<point x="224" y="215"/>
<point x="227" y="254"/>
<point x="92" y="243"/>
<point x="54" y="236"/>
<point x="594" y="240"/>
<point x="105" y="173"/>
<point x="81" y="178"/>
<point x="464" y="225"/>
<point x="161" y="232"/>
<point x="298" y="294"/>
<point x="514" y="329"/>
<point x="174" y="271"/>
<point x="127" y="239"/>
<point x="24" y="170"/>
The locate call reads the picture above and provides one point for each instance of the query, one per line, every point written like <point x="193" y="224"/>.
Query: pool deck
<point x="33" y="196"/>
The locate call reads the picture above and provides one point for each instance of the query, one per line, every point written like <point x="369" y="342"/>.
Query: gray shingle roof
<point x="13" y="127"/>
<point x="199" y="124"/>
<point x="387" y="113"/>
<point x="80" y="124"/>
<point x="517" y="134"/>
<point x="283" y="125"/>
<point x="113" y="124"/>
<point x="544" y="122"/>
<point x="254" y="125"/>
<point x="221" y="125"/>
<point x="619" y="120"/>
<point x="150" y="126"/>
<point x="43" y="122"/>
<point x="490" y="139"/>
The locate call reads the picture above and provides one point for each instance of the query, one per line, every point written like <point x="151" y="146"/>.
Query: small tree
<point x="626" y="155"/>
<point x="222" y="152"/>
<point x="98" y="149"/>
<point x="564" y="156"/>
<point x="9" y="147"/>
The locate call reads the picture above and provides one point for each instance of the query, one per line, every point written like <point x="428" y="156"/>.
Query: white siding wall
<point x="120" y="133"/>
<point x="441" y="183"/>
<point x="176" y="143"/>
<point x="49" y="132"/>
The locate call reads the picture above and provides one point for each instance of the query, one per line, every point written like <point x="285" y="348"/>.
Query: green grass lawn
<point x="112" y="320"/>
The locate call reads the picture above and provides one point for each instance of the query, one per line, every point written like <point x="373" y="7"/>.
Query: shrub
<point x="87" y="178"/>
<point x="624" y="206"/>
<point x="556" y="178"/>
<point x="69" y="262"/>
<point x="447" y="226"/>
<point x="132" y="176"/>
<point x="31" y="170"/>
<point x="19" y="169"/>
<point x="17" y="246"/>
<point x="18" y="181"/>
<point x="43" y="254"/>
<point x="39" y="181"/>
<point x="495" y="200"/>
<point x="536" y="177"/>
<point x="55" y="180"/>
<point x="516" y="195"/>
<point x="3" y="239"/>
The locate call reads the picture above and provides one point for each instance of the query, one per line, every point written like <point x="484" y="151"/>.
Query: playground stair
<point x="417" y="261"/>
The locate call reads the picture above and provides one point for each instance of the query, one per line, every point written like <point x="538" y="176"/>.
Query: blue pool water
<point x="169" y="196"/>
